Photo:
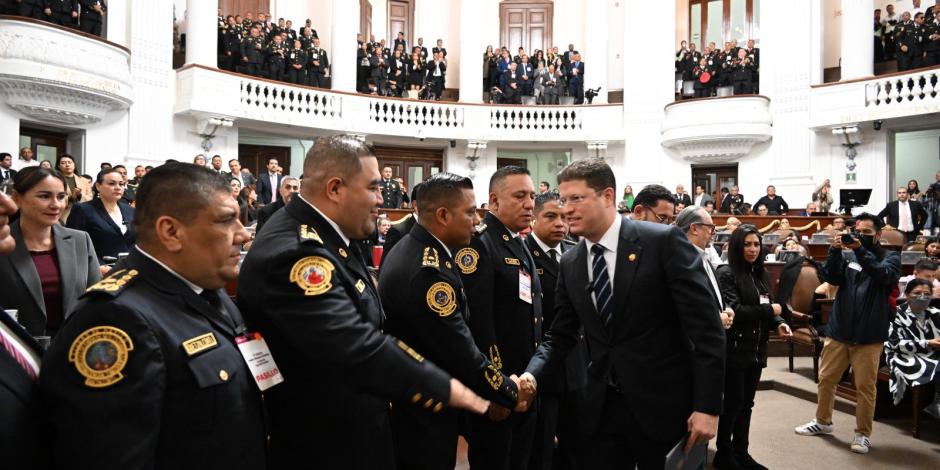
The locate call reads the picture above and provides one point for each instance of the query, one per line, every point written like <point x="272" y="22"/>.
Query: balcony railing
<point x="246" y="98"/>
<point x="890" y="96"/>
<point x="58" y="75"/>
<point x="733" y="126"/>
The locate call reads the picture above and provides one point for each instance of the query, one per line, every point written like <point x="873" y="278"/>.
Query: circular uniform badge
<point x="312" y="274"/>
<point x="100" y="354"/>
<point x="441" y="299"/>
<point x="493" y="376"/>
<point x="467" y="260"/>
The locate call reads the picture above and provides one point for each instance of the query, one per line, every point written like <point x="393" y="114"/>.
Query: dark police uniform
<point x="932" y="46"/>
<point x="252" y="55"/>
<point x="146" y="374"/>
<point x="317" y="65"/>
<point x="424" y="299"/>
<point x="62" y="12"/>
<point x="91" y="19"/>
<point x="23" y="417"/>
<point x="391" y="194"/>
<point x="308" y="292"/>
<point x="905" y="38"/>
<point x="507" y="329"/>
<point x="232" y="47"/>
<point x="296" y="62"/>
<point x="742" y="74"/>
<point x="275" y="59"/>
<point x="560" y="399"/>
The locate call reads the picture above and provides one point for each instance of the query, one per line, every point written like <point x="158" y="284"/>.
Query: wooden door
<point x="365" y="19"/>
<point x="519" y="162"/>
<point x="240" y="7"/>
<point x="525" y="24"/>
<point x="401" y="14"/>
<point x="412" y="165"/>
<point x="255" y="157"/>
<point x="713" y="178"/>
<point x="48" y="145"/>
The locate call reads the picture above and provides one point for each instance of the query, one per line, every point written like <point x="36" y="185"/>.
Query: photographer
<point x="858" y="324"/>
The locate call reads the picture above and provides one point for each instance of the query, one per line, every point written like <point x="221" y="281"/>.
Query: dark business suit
<point x="893" y="215"/>
<point x="266" y="212"/>
<point x="22" y="289"/>
<point x="576" y="82"/>
<point x="21" y="410"/>
<point x="7" y="174"/>
<point x="663" y="348"/>
<point x="560" y="394"/>
<point x="683" y="198"/>
<point x="93" y="218"/>
<point x="264" y="188"/>
<point x="399" y="229"/>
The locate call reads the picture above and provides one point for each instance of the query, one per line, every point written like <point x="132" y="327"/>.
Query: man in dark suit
<point x="734" y="203"/>
<point x="402" y="226"/>
<point x="93" y="12"/>
<point x="325" y="329"/>
<point x="62" y="12"/>
<point x="7" y="173"/>
<point x="724" y="202"/>
<point x="21" y="410"/>
<point x="269" y="182"/>
<point x="512" y="88"/>
<point x="576" y="79"/>
<point x="391" y="190"/>
<point x="151" y="349"/>
<point x="682" y="197"/>
<point x="505" y="297"/>
<point x="424" y="300"/>
<point x="289" y="187"/>
<point x="906" y="215"/>
<point x="235" y="171"/>
<point x="656" y="346"/>
<point x="400" y="41"/>
<point x="560" y="400"/>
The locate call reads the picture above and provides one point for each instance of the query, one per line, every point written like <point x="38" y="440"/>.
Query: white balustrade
<point x="248" y="99"/>
<point x="879" y="98"/>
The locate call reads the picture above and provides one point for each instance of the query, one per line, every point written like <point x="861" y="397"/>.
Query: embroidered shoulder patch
<point x="115" y="282"/>
<point x="312" y="274"/>
<point x="306" y="233"/>
<point x="493" y="376"/>
<point x="441" y="299"/>
<point x="467" y="259"/>
<point x="430" y="258"/>
<point x="100" y="354"/>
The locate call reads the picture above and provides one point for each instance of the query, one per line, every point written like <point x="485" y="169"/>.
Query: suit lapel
<point x="542" y="259"/>
<point x="68" y="267"/>
<point x="629" y="256"/>
<point x="99" y="208"/>
<point x="26" y="269"/>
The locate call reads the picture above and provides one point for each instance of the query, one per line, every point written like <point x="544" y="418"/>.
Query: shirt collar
<point x="543" y="246"/>
<point x="328" y="220"/>
<point x="198" y="290"/>
<point x="611" y="238"/>
<point x="449" y="254"/>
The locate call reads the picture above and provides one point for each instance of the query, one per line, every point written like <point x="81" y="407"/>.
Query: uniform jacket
<point x="134" y="398"/>
<point x="664" y="343"/>
<point x="506" y="328"/>
<point x="310" y="295"/>
<point x="423" y="297"/>
<point x="93" y="218"/>
<point x="391" y="194"/>
<point x="22" y="289"/>
<point x="23" y="435"/>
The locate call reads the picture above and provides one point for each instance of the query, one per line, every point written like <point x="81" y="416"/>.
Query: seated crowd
<point x="717" y="72"/>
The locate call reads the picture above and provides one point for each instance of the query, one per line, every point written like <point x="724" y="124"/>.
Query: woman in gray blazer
<point x="51" y="265"/>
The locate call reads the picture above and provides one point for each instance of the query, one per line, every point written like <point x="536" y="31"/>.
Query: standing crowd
<point x="732" y="69"/>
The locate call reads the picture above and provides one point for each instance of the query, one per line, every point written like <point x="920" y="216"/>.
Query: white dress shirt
<point x="905" y="222"/>
<point x="198" y="290"/>
<point x="545" y="248"/>
<point x="706" y="265"/>
<point x="274" y="188"/>
<point x="609" y="241"/>
<point x="19" y="163"/>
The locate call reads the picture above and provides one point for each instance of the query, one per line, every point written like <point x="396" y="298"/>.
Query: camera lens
<point x="846" y="239"/>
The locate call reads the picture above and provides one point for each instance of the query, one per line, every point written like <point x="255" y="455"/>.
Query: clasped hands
<point x="526" y="394"/>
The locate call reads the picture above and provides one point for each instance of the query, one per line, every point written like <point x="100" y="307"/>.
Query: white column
<point x="10" y="131"/>
<point x="472" y="45"/>
<point x="343" y="44"/>
<point x="595" y="50"/>
<point x="858" y="53"/>
<point x="118" y="19"/>
<point x="202" y="33"/>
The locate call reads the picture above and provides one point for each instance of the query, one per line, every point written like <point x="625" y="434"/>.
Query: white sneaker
<point x="813" y="428"/>
<point x="861" y="444"/>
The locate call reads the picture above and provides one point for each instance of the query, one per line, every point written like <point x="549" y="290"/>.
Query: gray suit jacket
<point x="22" y="289"/>
<point x="705" y="198"/>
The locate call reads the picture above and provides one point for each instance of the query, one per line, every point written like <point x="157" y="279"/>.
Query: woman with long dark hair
<point x="109" y="220"/>
<point x="913" y="191"/>
<point x="744" y="288"/>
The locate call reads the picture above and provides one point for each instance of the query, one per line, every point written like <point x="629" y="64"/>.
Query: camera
<point x="847" y="239"/>
<point x="590" y="93"/>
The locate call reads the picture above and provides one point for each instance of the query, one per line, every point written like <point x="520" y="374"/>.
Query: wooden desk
<point x="796" y="222"/>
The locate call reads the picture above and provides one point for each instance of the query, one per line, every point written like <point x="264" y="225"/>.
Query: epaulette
<point x="430" y="258"/>
<point x="481" y="228"/>
<point x="115" y="283"/>
<point x="402" y="219"/>
<point x="306" y="234"/>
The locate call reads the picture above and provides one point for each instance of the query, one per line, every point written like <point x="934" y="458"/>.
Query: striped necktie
<point x="18" y="356"/>
<point x="601" y="284"/>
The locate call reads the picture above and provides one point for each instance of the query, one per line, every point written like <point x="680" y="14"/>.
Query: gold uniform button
<point x="416" y="398"/>
<point x="223" y="375"/>
<point x="438" y="407"/>
<point x="428" y="403"/>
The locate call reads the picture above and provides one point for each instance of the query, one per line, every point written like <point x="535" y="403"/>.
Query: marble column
<point x="343" y="44"/>
<point x="858" y="53"/>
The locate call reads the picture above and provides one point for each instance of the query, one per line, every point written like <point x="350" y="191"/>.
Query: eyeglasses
<point x="710" y="227"/>
<point x="574" y="200"/>
<point x="664" y="219"/>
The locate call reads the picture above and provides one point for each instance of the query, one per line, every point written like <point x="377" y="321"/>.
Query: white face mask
<point x="919" y="304"/>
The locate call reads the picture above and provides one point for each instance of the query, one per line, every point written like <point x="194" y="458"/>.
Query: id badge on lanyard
<point x="260" y="362"/>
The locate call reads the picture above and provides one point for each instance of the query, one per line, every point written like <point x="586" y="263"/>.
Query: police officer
<point x="92" y="13"/>
<point x="304" y="286"/>
<point x="317" y="64"/>
<point x="560" y="402"/>
<point x="506" y="311"/>
<point x="146" y="372"/>
<point x="275" y="58"/>
<point x="742" y="73"/>
<point x="296" y="62"/>
<point x="62" y="12"/>
<point x="919" y="37"/>
<point x="932" y="43"/>
<point x="231" y="45"/>
<point x="252" y="52"/>
<point x="426" y="306"/>
<point x="391" y="190"/>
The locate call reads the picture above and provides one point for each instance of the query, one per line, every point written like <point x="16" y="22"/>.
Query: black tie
<point x="553" y="254"/>
<point x="212" y="298"/>
<point x="601" y="284"/>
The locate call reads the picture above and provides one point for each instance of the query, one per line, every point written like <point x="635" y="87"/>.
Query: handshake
<point x="526" y="387"/>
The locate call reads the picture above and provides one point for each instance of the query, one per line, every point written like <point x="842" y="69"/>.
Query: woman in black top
<point x="416" y="72"/>
<point x="743" y="282"/>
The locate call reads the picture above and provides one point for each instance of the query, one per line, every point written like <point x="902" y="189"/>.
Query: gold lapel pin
<point x="632" y="257"/>
<point x="505" y="237"/>
<point x="342" y="253"/>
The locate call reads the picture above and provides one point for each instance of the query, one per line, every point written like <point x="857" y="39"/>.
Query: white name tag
<point x="525" y="286"/>
<point x="855" y="266"/>
<point x="764" y="299"/>
<point x="260" y="362"/>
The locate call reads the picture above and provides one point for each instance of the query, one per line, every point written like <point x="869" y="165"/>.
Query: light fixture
<point x="474" y="147"/>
